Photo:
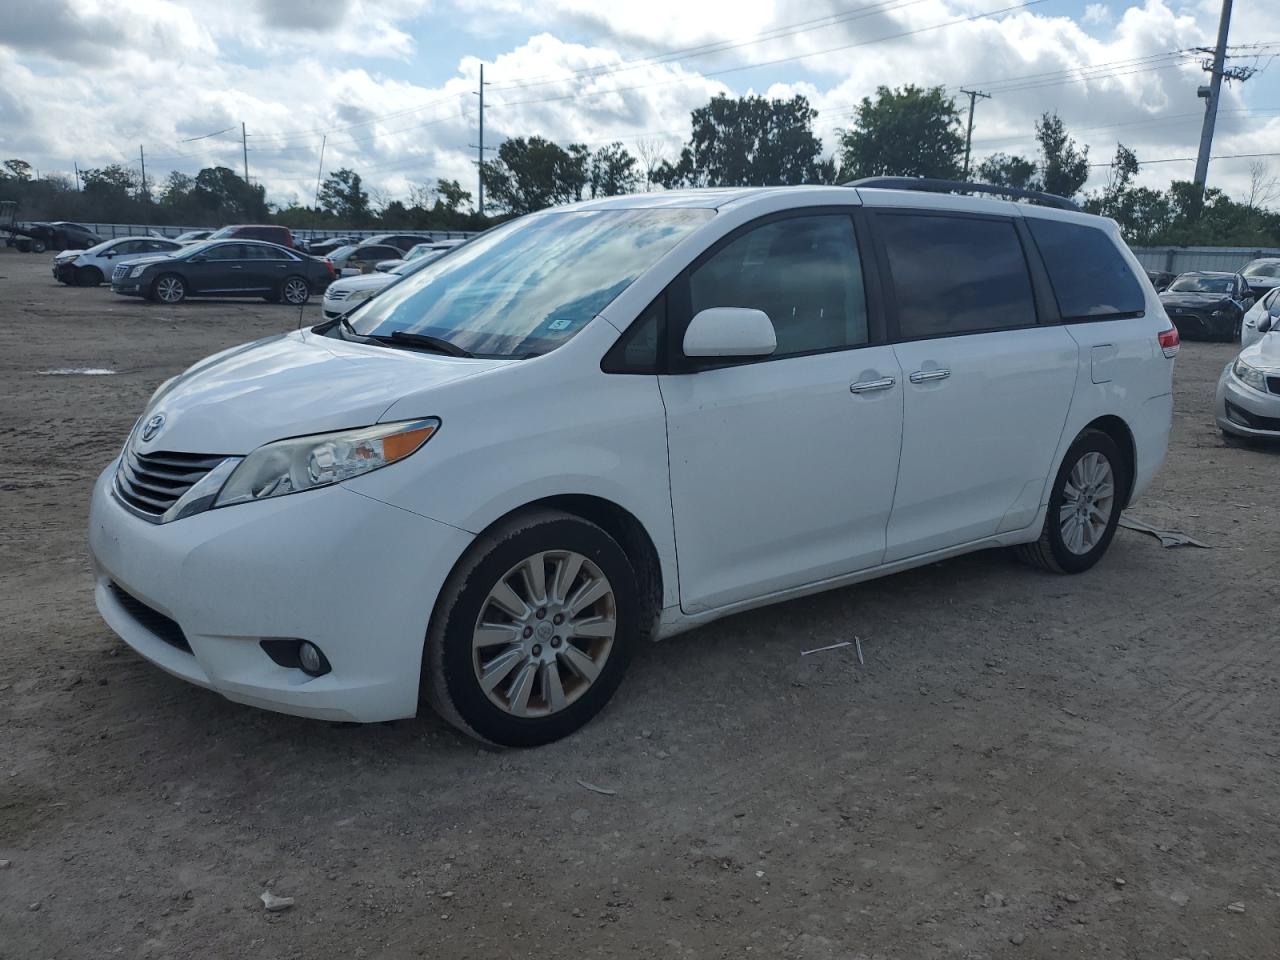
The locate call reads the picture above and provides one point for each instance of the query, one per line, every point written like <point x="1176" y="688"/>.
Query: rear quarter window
<point x="1090" y="278"/>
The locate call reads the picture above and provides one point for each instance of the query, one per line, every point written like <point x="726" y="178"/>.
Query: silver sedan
<point x="1248" y="400"/>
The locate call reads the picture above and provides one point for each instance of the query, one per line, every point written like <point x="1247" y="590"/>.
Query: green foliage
<point x="748" y="141"/>
<point x="1007" y="170"/>
<point x="613" y="171"/>
<point x="909" y="132"/>
<point x="1063" y="168"/>
<point x="16" y="170"/>
<point x="533" y="174"/>
<point x="342" y="196"/>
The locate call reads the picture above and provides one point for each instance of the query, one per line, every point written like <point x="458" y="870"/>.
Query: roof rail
<point x="959" y="186"/>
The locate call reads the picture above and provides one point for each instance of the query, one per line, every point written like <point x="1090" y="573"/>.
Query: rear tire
<point x="1084" y="506"/>
<point x="295" y="291"/>
<point x="488" y="669"/>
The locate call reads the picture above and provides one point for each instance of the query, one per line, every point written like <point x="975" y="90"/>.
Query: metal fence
<point x="1183" y="259"/>
<point x="109" y="231"/>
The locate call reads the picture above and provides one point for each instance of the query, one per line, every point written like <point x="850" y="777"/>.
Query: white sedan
<point x="87" y="268"/>
<point x="1248" y="400"/>
<point x="346" y="294"/>
<point x="1267" y="306"/>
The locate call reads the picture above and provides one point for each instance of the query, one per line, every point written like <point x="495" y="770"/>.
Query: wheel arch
<point x="1115" y="428"/>
<point x="622" y="525"/>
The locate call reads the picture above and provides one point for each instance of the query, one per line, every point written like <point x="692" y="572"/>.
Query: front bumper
<point x="355" y="576"/>
<point x="64" y="270"/>
<point x="1198" y="325"/>
<point x="128" y="288"/>
<point x="1246" y="412"/>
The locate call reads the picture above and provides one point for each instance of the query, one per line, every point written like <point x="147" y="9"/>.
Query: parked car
<point x="1208" y="305"/>
<point x="322" y="248"/>
<point x="191" y="236"/>
<point x="86" y="268"/>
<point x="793" y="388"/>
<point x="269" y="232"/>
<point x="1262" y="275"/>
<point x="349" y="261"/>
<point x="1160" y="279"/>
<point x="436" y="248"/>
<point x="1248" y="398"/>
<point x="401" y="241"/>
<point x="221" y="268"/>
<point x="1269" y="305"/>
<point x="346" y="294"/>
<point x="58" y="235"/>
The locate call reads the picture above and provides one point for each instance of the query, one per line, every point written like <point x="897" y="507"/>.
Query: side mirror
<point x="730" y="332"/>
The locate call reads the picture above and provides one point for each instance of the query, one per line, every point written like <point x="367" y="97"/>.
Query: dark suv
<point x="269" y="232"/>
<point x="220" y="268"/>
<point x="401" y="241"/>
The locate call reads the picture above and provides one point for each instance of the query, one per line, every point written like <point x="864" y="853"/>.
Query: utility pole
<point x="973" y="96"/>
<point x="1217" y="70"/>
<point x="480" y="149"/>
<point x="77" y="169"/>
<point x="244" y="145"/>
<point x="320" y="173"/>
<point x="142" y="158"/>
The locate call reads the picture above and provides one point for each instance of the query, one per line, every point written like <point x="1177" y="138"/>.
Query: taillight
<point x="1169" y="342"/>
<point x="333" y="272"/>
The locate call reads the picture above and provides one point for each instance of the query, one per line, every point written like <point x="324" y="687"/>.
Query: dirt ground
<point x="1026" y="765"/>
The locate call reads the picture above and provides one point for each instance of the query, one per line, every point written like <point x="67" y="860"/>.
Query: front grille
<point x="332" y="294"/>
<point x="151" y="483"/>
<point x="1273" y="384"/>
<point x="150" y="619"/>
<point x="120" y="272"/>
<point x="1247" y="419"/>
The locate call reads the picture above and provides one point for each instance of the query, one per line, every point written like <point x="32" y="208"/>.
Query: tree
<point x="450" y="195"/>
<point x="177" y="190"/>
<point x="225" y="195"/>
<point x="532" y="174"/>
<point x="613" y="171"/>
<point x="748" y="141"/>
<point x="652" y="153"/>
<point x="16" y="170"/>
<point x="909" y="132"/>
<point x="1006" y="170"/>
<point x="342" y="196"/>
<point x="1263" y="187"/>
<point x="112" y="182"/>
<point x="1063" y="168"/>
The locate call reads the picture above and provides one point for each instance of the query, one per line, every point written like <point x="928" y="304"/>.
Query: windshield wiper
<point x="423" y="340"/>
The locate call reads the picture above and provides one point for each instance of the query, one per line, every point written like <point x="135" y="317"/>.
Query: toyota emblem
<point x="152" y="427"/>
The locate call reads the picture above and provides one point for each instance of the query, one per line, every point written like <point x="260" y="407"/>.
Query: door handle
<point x="924" y="376"/>
<point x="870" y="386"/>
<point x="237" y="266"/>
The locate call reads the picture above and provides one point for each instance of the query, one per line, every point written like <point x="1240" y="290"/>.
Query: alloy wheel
<point x="169" y="289"/>
<point x="1088" y="498"/>
<point x="296" y="292"/>
<point x="544" y="633"/>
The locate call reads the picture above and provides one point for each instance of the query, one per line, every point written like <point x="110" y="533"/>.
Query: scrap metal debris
<point x="855" y="643"/>
<point x="273" y="903"/>
<point x="1167" y="538"/>
<point x="594" y="789"/>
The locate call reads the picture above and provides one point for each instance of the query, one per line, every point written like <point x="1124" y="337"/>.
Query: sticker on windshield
<point x="564" y="323"/>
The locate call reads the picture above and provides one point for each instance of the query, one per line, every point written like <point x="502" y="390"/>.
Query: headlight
<point x="291" y="466"/>
<point x="360" y="296"/>
<point x="137" y="271"/>
<point x="1249" y="376"/>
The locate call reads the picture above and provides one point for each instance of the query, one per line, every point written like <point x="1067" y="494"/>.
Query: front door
<point x="987" y="388"/>
<point x="782" y="470"/>
<point x="225" y="269"/>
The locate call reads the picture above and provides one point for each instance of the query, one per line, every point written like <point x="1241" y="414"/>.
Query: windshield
<point x="342" y="251"/>
<point x="417" y="250"/>
<point x="1263" y="268"/>
<point x="220" y="234"/>
<point x="528" y="286"/>
<point x="1201" y="285"/>
<point x="407" y="267"/>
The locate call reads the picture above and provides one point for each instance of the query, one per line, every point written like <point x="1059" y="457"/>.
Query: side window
<point x="1089" y="276"/>
<point x="956" y="275"/>
<point x="129" y="246"/>
<point x="227" y="251"/>
<point x="804" y="272"/>
<point x="1273" y="301"/>
<point x="637" y="350"/>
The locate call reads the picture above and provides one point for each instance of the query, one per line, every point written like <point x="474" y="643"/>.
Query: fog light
<point x="311" y="659"/>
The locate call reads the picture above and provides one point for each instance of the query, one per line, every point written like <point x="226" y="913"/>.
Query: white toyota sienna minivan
<point x="623" y="419"/>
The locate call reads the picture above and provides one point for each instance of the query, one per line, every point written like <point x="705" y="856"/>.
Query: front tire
<point x="533" y="631"/>
<point x="88" y="276"/>
<point x="169" y="288"/>
<point x="37" y="246"/>
<point x="1084" y="506"/>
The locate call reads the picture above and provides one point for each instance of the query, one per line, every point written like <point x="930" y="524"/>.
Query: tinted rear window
<point x="1090" y="278"/>
<point x="956" y="275"/>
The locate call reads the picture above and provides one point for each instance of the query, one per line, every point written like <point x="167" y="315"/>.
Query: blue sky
<point x="386" y="83"/>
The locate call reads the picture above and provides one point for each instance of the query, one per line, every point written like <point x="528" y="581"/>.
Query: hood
<point x="289" y="386"/>
<point x="1259" y="283"/>
<point x="151" y="258"/>
<point x="1265" y="354"/>
<point x="67" y="254"/>
<point x="368" y="281"/>
<point x="1181" y="298"/>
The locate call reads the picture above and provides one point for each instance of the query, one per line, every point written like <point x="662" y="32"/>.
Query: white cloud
<point x="1097" y="13"/>
<point x="83" y="83"/>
